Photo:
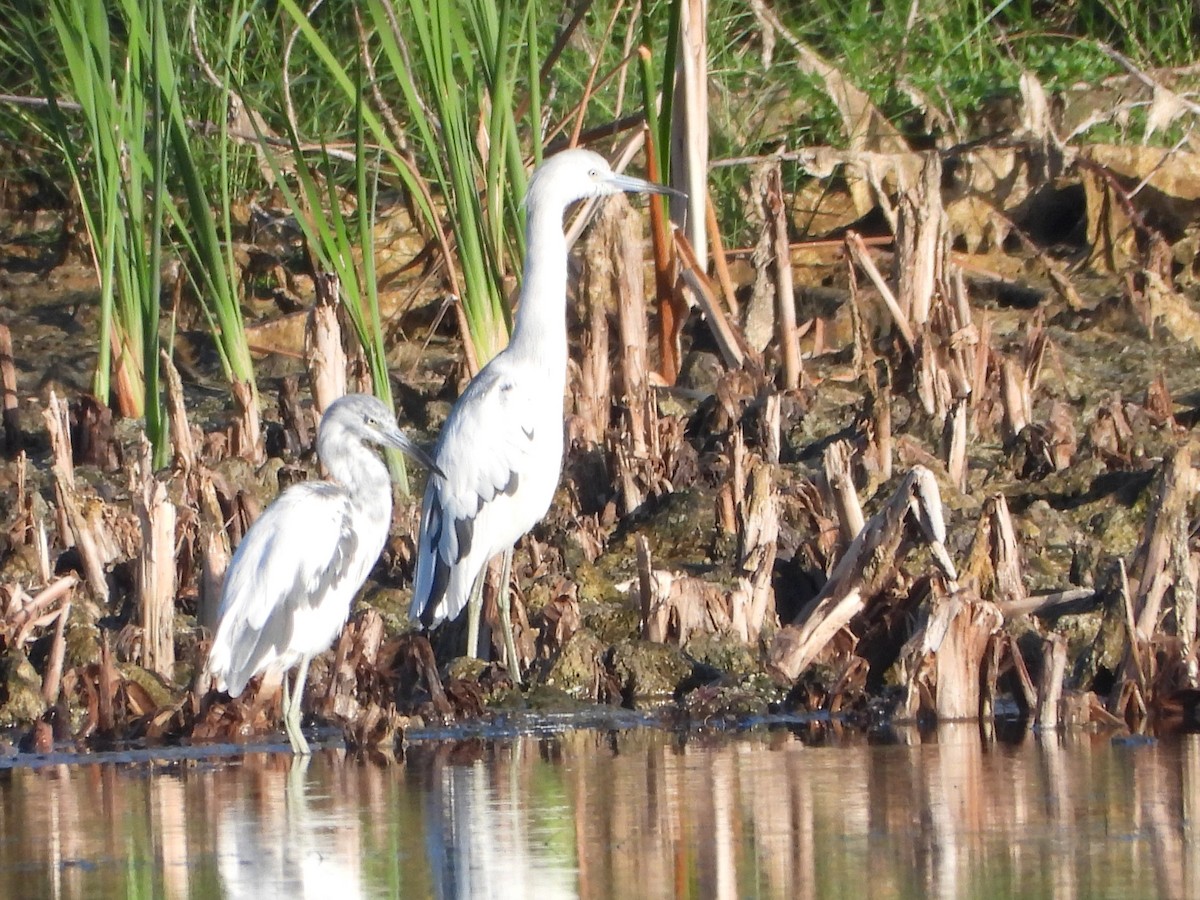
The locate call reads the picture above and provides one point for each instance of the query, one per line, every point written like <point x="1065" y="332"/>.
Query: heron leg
<point x="291" y="709"/>
<point x="474" y="608"/>
<point x="504" y="602"/>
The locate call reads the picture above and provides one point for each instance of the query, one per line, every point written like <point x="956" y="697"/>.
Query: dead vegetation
<point x="937" y="470"/>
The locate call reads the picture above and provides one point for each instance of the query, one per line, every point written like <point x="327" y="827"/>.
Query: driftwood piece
<point x="864" y="570"/>
<point x="156" y="572"/>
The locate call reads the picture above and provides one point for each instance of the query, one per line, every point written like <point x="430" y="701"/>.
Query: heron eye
<point x="594" y="173"/>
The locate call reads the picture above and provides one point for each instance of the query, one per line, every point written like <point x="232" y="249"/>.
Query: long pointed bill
<point x="641" y="186"/>
<point x="398" y="439"/>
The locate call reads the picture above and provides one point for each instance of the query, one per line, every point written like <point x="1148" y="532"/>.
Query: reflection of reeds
<point x="627" y="813"/>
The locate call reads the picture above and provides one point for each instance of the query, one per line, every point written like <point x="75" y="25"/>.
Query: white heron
<point x="288" y="589"/>
<point x="501" y="448"/>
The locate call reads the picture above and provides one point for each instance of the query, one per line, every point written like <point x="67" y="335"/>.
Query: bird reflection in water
<point x="276" y="844"/>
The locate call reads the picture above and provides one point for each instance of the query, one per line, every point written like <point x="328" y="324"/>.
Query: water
<point x="627" y="813"/>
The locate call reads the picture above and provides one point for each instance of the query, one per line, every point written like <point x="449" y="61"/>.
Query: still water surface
<point x="620" y="813"/>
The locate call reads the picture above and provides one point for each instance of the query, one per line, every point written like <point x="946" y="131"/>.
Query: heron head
<point x="368" y="419"/>
<point x="579" y="174"/>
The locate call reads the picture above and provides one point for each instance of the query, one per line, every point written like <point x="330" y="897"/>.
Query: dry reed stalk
<point x="1004" y="553"/>
<point x="862" y="258"/>
<point x="181" y="433"/>
<point x="246" y="438"/>
<point x="604" y="253"/>
<point x="867" y="567"/>
<point x="672" y="310"/>
<point x="52" y="681"/>
<point x="844" y="497"/>
<point x="637" y="399"/>
<point x="757" y="539"/>
<point x="956" y="445"/>
<point x="215" y="550"/>
<point x="156" y="572"/>
<point x="74" y="525"/>
<point x="785" y="293"/>
<point x="1015" y="399"/>
<point x="772" y="415"/>
<point x="323" y="345"/>
<point x="729" y="340"/>
<point x="689" y="126"/>
<point x="58" y="426"/>
<point x="921" y="242"/>
<point x="720" y="263"/>
<point x="645" y="590"/>
<point x="8" y="391"/>
<point x="1050" y="685"/>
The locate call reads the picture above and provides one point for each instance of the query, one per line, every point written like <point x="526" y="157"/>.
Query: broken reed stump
<point x="323" y="344"/>
<point x="789" y="340"/>
<point x="75" y="527"/>
<point x="1163" y="605"/>
<point x="182" y="441"/>
<point x="156" y="571"/>
<point x="607" y="251"/>
<point x="675" y="606"/>
<point x="8" y="393"/>
<point x="865" y="570"/>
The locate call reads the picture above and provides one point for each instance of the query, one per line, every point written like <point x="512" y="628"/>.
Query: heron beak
<point x="401" y="441"/>
<point x="641" y="186"/>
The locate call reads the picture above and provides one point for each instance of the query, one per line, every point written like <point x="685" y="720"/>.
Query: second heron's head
<point x="366" y="418"/>
<point x="578" y="174"/>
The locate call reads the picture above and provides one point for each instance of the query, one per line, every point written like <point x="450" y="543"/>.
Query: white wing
<point x="302" y="553"/>
<point x="489" y="447"/>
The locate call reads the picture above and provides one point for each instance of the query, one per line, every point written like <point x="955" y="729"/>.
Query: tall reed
<point x="457" y="65"/>
<point x="118" y="171"/>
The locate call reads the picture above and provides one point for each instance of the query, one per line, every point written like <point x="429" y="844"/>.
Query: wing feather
<point x="298" y="552"/>
<point x="485" y="447"/>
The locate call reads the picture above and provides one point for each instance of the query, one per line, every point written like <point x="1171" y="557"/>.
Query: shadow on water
<point x="620" y="813"/>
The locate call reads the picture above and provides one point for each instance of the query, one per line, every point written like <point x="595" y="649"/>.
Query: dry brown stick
<point x="1027" y="693"/>
<point x="720" y="263"/>
<point x="858" y="252"/>
<point x="52" y="680"/>
<point x="785" y="293"/>
<point x="729" y="340"/>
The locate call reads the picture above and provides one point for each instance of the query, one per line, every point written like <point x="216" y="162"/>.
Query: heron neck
<point x="540" y="332"/>
<point x="359" y="469"/>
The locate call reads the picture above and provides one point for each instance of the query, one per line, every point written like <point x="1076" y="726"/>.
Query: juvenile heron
<point x="289" y="586"/>
<point x="501" y="447"/>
